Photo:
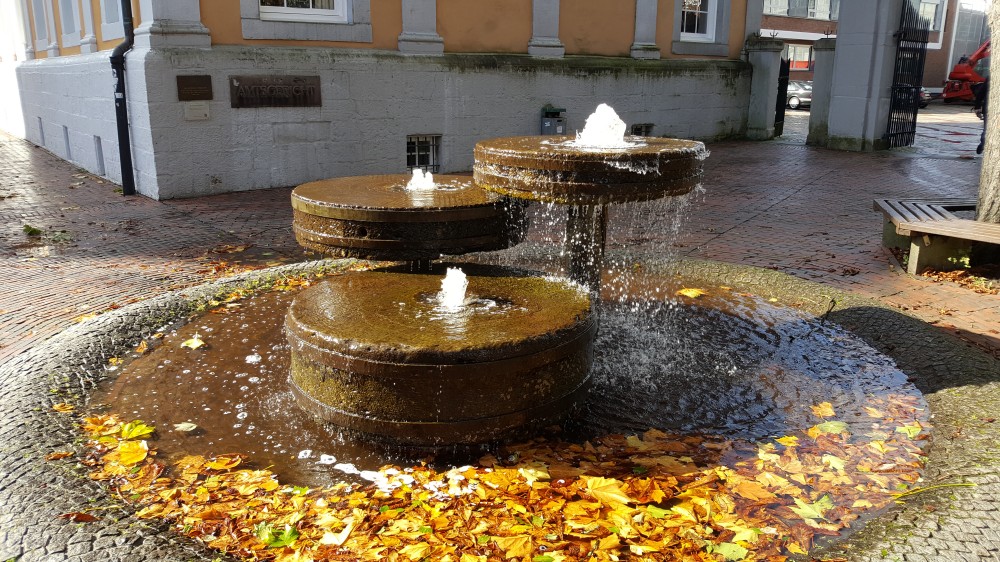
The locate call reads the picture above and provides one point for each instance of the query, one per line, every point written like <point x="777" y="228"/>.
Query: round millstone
<point x="377" y="218"/>
<point x="552" y="168"/>
<point x="375" y="352"/>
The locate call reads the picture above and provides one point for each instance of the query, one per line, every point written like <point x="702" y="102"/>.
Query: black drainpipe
<point x="121" y="107"/>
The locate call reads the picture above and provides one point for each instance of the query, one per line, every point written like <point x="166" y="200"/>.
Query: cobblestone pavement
<point x="777" y="205"/>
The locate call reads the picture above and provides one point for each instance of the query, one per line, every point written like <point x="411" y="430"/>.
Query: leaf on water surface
<point x="185" y="427"/>
<point x="143" y="347"/>
<point x="911" y="430"/>
<point x="63" y="408"/>
<point x="691" y="293"/>
<point x="136" y="430"/>
<point x="789" y="441"/>
<point x="830" y="427"/>
<point x="193" y="343"/>
<point x="224" y="462"/>
<point x="823" y="410"/>
<point x="813" y="510"/>
<point x="834" y="462"/>
<point x="132" y="452"/>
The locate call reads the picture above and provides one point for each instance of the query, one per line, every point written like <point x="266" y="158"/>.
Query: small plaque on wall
<point x="274" y="91"/>
<point x="194" y="88"/>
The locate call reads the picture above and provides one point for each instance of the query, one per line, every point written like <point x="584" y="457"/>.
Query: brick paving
<point x="777" y="205"/>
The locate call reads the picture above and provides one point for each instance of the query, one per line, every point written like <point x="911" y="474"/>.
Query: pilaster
<point x="545" y="30"/>
<point x="171" y="23"/>
<point x="644" y="46"/>
<point x="765" y="57"/>
<point x="420" y="34"/>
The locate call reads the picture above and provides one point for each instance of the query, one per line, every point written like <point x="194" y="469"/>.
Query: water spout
<point x="604" y="129"/>
<point x="453" y="286"/>
<point x="420" y="181"/>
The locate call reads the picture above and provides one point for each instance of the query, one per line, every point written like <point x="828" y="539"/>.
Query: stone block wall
<point x="371" y="101"/>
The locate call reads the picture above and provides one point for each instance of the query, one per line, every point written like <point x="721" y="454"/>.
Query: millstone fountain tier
<point x="380" y="353"/>
<point x="383" y="354"/>
<point x="587" y="173"/>
<point x="380" y="218"/>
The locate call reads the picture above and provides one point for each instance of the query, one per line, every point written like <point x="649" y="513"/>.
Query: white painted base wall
<point x="371" y="102"/>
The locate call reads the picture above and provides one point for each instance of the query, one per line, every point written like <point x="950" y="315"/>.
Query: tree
<point x="988" y="209"/>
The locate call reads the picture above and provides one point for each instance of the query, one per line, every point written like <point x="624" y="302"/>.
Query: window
<point x="932" y="11"/>
<point x="111" y="20"/>
<point x="776" y="7"/>
<point x="317" y="11"/>
<point x="813" y="9"/>
<point x="701" y="27"/>
<point x="641" y="130"/>
<point x="40" y="18"/>
<point x="69" y="18"/>
<point x="698" y="20"/>
<point x="422" y="151"/>
<point x="799" y="57"/>
<point x="307" y="20"/>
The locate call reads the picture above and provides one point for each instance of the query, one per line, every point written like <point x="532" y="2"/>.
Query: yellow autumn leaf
<point x="194" y="343"/>
<point x="824" y="410"/>
<point x="224" y="462"/>
<point x="132" y="452"/>
<point x="794" y="548"/>
<point x="466" y="557"/>
<point x="788" y="441"/>
<point x="143" y="347"/>
<point x="63" y="408"/>
<point x="517" y="546"/>
<point x="609" y="542"/>
<point x="417" y="551"/>
<point x="608" y="490"/>
<point x="691" y="293"/>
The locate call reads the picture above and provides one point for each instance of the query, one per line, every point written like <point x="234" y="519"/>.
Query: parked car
<point x="925" y="97"/>
<point x="800" y="94"/>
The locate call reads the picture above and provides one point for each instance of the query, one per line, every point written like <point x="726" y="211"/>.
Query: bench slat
<point x="957" y="228"/>
<point x="936" y="212"/>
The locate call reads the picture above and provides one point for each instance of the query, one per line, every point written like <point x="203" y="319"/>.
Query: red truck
<point x="969" y="71"/>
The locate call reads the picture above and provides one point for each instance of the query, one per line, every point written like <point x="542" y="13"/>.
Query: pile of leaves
<point x="982" y="279"/>
<point x="654" y="496"/>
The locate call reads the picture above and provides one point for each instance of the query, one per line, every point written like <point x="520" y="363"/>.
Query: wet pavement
<point x="775" y="205"/>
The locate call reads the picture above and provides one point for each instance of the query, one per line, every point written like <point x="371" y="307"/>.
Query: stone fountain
<point x="377" y="352"/>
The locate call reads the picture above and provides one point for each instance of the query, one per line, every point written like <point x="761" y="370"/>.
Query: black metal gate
<point x="911" y="51"/>
<point x="782" y="101"/>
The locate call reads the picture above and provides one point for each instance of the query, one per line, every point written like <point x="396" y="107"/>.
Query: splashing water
<point x="420" y="181"/>
<point x="453" y="286"/>
<point x="604" y="129"/>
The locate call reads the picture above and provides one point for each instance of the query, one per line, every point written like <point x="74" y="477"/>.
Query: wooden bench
<point x="934" y="235"/>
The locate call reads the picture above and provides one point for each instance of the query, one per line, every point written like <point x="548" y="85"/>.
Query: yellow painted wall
<point x="497" y="26"/>
<point x="665" y="29"/>
<point x="222" y="18"/>
<point x="597" y="27"/>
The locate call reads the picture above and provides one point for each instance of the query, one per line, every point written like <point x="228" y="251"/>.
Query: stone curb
<point x="33" y="492"/>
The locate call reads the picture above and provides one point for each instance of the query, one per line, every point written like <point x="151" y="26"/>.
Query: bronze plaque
<point x="274" y="91"/>
<point x="194" y="88"/>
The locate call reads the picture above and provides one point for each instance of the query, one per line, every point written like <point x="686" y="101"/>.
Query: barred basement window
<point x="423" y="151"/>
<point x="642" y="130"/>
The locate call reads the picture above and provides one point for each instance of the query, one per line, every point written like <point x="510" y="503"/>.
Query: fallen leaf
<point x="63" y="408"/>
<point x="824" y="410"/>
<point x="193" y="343"/>
<point x="517" y="546"/>
<point x="224" y="462"/>
<point x="132" y="452"/>
<point x="143" y="347"/>
<point x="813" y="510"/>
<point x="136" y="430"/>
<point x="59" y="455"/>
<point x="691" y="293"/>
<point x="830" y="427"/>
<point x="79" y="517"/>
<point x="185" y="427"/>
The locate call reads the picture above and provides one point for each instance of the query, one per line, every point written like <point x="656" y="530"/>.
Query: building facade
<point x="230" y="95"/>
<point x="957" y="28"/>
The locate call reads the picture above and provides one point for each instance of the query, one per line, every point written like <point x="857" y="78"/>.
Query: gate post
<point x="765" y="58"/>
<point x="819" y="112"/>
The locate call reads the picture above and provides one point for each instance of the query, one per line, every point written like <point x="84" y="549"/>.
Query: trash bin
<point x="553" y="120"/>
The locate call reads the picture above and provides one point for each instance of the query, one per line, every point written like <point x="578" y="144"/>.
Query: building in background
<point x="248" y="94"/>
<point x="958" y="27"/>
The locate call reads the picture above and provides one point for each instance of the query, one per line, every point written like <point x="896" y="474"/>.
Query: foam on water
<point x="604" y="129"/>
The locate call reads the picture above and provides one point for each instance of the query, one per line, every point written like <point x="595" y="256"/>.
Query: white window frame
<point x="40" y="30"/>
<point x="111" y="29"/>
<point x="715" y="43"/>
<point x="339" y="14"/>
<point x="776" y="7"/>
<point x="354" y="25"/>
<point x="937" y="25"/>
<point x="71" y="38"/>
<point x="710" y="15"/>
